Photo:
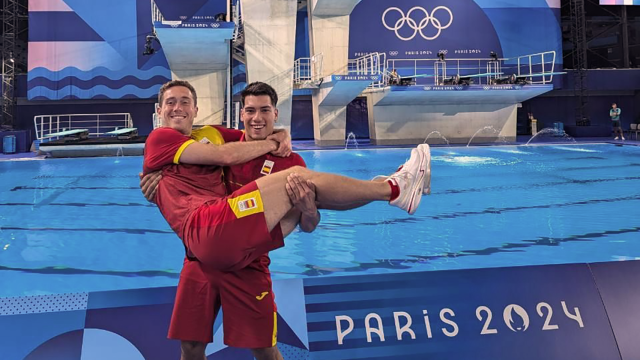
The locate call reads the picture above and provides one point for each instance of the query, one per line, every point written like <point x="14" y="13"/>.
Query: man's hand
<point x="283" y="139"/>
<point x="302" y="194"/>
<point x="149" y="185"/>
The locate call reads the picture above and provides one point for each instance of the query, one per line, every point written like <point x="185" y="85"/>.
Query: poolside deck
<point x="299" y="145"/>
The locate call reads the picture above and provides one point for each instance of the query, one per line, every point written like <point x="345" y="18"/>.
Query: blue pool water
<point x="74" y="225"/>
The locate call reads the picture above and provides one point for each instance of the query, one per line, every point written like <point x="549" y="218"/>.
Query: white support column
<point x="210" y="87"/>
<point x="329" y="36"/>
<point x="201" y="57"/>
<point x="269" y="28"/>
<point x="329" y="32"/>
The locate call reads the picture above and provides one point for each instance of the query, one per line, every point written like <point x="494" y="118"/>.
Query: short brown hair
<point x="258" y="89"/>
<point x="174" y="83"/>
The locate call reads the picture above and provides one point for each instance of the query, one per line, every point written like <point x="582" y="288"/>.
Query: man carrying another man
<point x="228" y="234"/>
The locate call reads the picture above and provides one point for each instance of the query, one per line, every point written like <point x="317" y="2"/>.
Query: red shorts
<point x="228" y="234"/>
<point x="246" y="297"/>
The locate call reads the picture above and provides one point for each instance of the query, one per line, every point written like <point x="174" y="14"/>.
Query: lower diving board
<point x="73" y="134"/>
<point x="125" y="133"/>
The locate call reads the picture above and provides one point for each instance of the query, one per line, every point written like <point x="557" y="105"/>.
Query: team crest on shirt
<point x="267" y="167"/>
<point x="246" y="205"/>
<point x="204" y="140"/>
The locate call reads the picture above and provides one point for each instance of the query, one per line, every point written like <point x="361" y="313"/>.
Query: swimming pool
<point x="76" y="225"/>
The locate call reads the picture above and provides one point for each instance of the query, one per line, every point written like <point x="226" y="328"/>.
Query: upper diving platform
<point x="458" y="94"/>
<point x="195" y="45"/>
<point x="340" y="90"/>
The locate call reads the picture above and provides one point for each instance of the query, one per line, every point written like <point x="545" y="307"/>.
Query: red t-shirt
<point x="184" y="187"/>
<point x="237" y="176"/>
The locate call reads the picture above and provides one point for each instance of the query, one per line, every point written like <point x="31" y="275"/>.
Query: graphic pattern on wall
<point x="92" y="49"/>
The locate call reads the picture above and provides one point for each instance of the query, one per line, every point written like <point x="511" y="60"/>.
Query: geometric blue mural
<point x="92" y="49"/>
<point x="563" y="312"/>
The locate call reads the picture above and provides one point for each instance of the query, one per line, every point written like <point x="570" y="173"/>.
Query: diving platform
<point x="340" y="90"/>
<point x="75" y="134"/>
<point x="461" y="94"/>
<point x="195" y="45"/>
<point x="90" y="147"/>
<point x="401" y="115"/>
<point x="110" y="134"/>
<point x="199" y="52"/>
<point x="330" y="105"/>
<point x="126" y="133"/>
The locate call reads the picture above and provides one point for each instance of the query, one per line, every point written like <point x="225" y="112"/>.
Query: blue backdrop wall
<point x="462" y="29"/>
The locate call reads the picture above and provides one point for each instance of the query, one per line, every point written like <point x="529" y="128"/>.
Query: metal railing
<point x="238" y="32"/>
<point x="531" y="66"/>
<point x="370" y="64"/>
<point x="157" y="122"/>
<point x="310" y="70"/>
<point x="535" y="68"/>
<point x="97" y="124"/>
<point x="307" y="70"/>
<point x="156" y="15"/>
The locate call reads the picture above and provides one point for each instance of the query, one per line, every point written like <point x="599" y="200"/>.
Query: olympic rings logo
<point x="417" y="27"/>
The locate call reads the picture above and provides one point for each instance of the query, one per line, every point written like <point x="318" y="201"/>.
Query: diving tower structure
<point x="269" y="28"/>
<point x="198" y="50"/>
<point x="456" y="101"/>
<point x="427" y="96"/>
<point x="338" y="86"/>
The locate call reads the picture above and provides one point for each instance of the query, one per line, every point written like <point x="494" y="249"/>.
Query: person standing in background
<point x="614" y="113"/>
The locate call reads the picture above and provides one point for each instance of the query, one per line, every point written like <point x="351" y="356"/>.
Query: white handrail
<point x="156" y="15"/>
<point x="307" y="69"/>
<point x="98" y="124"/>
<point x="370" y="64"/>
<point x="238" y="32"/>
<point x="530" y="59"/>
<point x="521" y="66"/>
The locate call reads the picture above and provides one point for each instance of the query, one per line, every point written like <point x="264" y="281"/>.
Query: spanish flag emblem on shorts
<point x="246" y="204"/>
<point x="267" y="167"/>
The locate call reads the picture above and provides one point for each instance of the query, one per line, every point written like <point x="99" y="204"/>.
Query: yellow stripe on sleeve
<point x="176" y="157"/>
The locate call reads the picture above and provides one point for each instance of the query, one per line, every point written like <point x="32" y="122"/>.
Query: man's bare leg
<point x="331" y="190"/>
<point x="289" y="222"/>
<point x="403" y="189"/>
<point x="271" y="353"/>
<point x="193" y="350"/>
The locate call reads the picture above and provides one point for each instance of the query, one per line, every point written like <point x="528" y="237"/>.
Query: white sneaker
<point x="427" y="176"/>
<point x="623" y="139"/>
<point x="616" y="138"/>
<point x="411" y="179"/>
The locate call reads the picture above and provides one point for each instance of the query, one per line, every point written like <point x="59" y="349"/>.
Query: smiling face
<point x="259" y="117"/>
<point x="178" y="109"/>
